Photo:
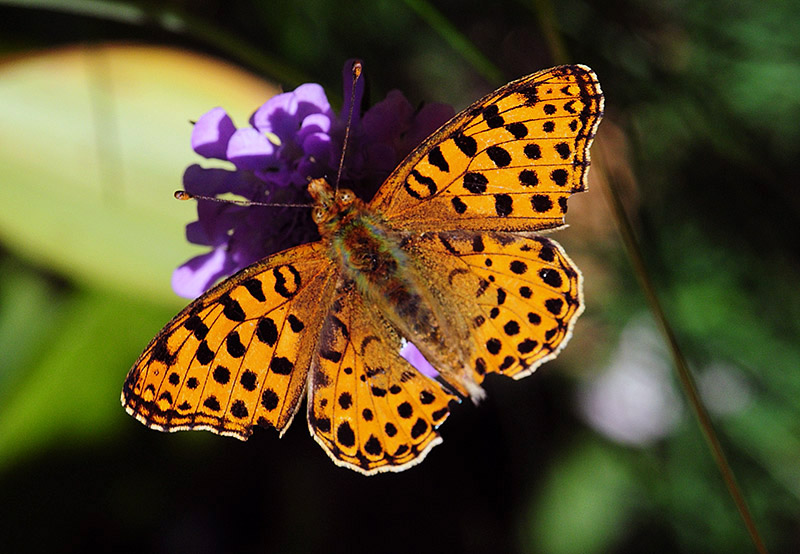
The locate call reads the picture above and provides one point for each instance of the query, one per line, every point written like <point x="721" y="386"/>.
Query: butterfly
<point x="445" y="267"/>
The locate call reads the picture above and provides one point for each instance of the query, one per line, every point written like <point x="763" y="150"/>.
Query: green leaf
<point x="93" y="142"/>
<point x="24" y="297"/>
<point x="70" y="392"/>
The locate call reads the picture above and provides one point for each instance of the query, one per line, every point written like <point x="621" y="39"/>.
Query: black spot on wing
<point x="458" y="205"/>
<point x="234" y="345"/>
<point x="530" y="93"/>
<point x="518" y="130"/>
<point x="345" y="400"/>
<point x="527" y="346"/>
<point x="419" y="428"/>
<point x="322" y="423"/>
<point x="331" y="355"/>
<point x="519" y="267"/>
<point x="373" y="446"/>
<point x="559" y="177"/>
<point x="231" y="308"/>
<point x="221" y="375"/>
<point x="467" y="145"/>
<point x="212" y="403"/>
<point x="423" y="180"/>
<point x="204" y="355"/>
<point x="253" y="286"/>
<point x="499" y="156"/>
<point x="541" y="203"/>
<point x="503" y="204"/>
<point x="532" y="151"/>
<point x="528" y="178"/>
<point x="196" y="326"/>
<point x="267" y="331"/>
<point x="436" y="159"/>
<point x="492" y="117"/>
<point x="551" y="277"/>
<point x="248" y="380"/>
<point x="287" y="280"/>
<point x="554" y="305"/>
<point x="475" y="182"/>
<point x="281" y="365"/>
<point x="239" y="409"/>
<point x="345" y="434"/>
<point x="563" y="150"/>
<point x="447" y="244"/>
<point x="160" y="351"/>
<point x="295" y="324"/>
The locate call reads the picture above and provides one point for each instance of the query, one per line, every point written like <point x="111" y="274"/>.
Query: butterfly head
<point x="329" y="205"/>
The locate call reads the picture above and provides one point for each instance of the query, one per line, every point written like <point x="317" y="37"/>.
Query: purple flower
<point x="292" y="138"/>
<point x="412" y="355"/>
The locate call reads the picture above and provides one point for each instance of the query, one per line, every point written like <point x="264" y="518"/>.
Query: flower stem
<point x="682" y="367"/>
<point x="546" y="15"/>
<point x="457" y="40"/>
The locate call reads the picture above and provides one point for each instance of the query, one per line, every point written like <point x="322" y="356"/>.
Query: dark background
<point x="596" y="452"/>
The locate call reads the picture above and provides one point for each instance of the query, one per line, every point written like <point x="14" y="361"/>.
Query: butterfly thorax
<point x="373" y="260"/>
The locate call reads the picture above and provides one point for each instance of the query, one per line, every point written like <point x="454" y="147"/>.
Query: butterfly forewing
<point x="239" y="355"/>
<point x="368" y="407"/>
<point x="507" y="163"/>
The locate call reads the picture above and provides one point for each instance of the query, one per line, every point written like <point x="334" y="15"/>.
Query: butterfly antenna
<point x="183" y="195"/>
<point x="356" y="75"/>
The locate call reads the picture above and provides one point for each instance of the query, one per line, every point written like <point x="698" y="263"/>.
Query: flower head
<point x="292" y="138"/>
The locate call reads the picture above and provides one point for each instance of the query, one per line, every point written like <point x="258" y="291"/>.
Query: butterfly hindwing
<point x="521" y="296"/>
<point x="238" y="356"/>
<point x="509" y="162"/>
<point x="368" y="407"/>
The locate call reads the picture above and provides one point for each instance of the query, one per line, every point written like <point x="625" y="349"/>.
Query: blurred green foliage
<point x="706" y="94"/>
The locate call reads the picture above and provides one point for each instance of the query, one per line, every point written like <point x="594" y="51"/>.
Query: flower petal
<point x="249" y="149"/>
<point x="412" y="355"/>
<point x="283" y="114"/>
<point x="309" y="99"/>
<point x="213" y="181"/>
<point x="427" y="120"/>
<point x="193" y="278"/>
<point x="388" y="119"/>
<point x="211" y="133"/>
<point x="315" y="123"/>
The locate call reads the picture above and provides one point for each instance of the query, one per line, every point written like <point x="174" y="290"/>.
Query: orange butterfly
<point x="443" y="262"/>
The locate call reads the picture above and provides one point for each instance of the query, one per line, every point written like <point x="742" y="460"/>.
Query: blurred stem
<point x="457" y="40"/>
<point x="109" y="147"/>
<point x="548" y="24"/>
<point x="684" y="374"/>
<point x="546" y="14"/>
<point x="174" y="21"/>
